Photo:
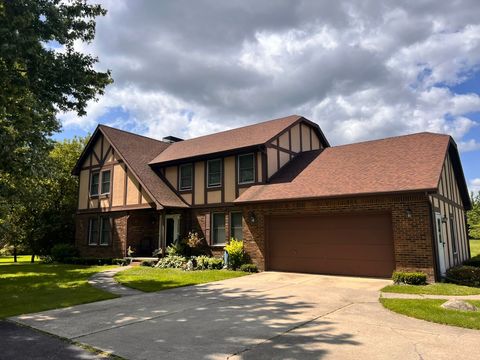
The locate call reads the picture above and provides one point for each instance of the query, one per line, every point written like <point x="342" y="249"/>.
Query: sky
<point x="361" y="70"/>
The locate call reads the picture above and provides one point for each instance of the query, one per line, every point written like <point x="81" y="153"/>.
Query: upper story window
<point x="94" y="181"/>
<point x="106" y="182"/>
<point x="186" y="177"/>
<point x="246" y="168"/>
<point x="214" y="173"/>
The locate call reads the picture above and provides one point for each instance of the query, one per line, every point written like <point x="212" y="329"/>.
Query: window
<point x="105" y="182"/>
<point x="454" y="234"/>
<point x="94" y="180"/>
<point x="214" y="173"/>
<point x="104" y="230"/>
<point x="236" y="230"/>
<point x="93" y="231"/>
<point x="186" y="175"/>
<point x="218" y="229"/>
<point x="246" y="169"/>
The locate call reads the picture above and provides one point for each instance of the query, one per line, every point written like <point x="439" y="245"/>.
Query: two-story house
<point x="298" y="203"/>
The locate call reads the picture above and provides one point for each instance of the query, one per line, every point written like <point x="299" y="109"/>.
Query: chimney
<point x="171" y="139"/>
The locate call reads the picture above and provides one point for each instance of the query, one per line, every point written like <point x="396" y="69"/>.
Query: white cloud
<point x="474" y="185"/>
<point x="360" y="70"/>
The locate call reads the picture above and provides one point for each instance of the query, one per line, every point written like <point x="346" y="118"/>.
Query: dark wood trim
<point x="112" y="173"/>
<point x="255" y="167"/>
<point x="440" y="197"/>
<point x="139" y="193"/>
<point x="301" y="137"/>
<point x="222" y="181"/>
<point x="311" y="144"/>
<point x="282" y="149"/>
<point x="236" y="176"/>
<point x="101" y="150"/>
<point x="265" y="167"/>
<point x="205" y="164"/>
<point x="194" y="172"/>
<point x="111" y="163"/>
<point x="118" y="208"/>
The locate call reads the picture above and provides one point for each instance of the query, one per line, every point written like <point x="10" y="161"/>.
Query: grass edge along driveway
<point x="28" y="288"/>
<point x="430" y="310"/>
<point x="150" y="279"/>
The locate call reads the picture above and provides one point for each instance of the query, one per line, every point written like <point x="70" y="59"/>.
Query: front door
<point x="440" y="243"/>
<point x="172" y="229"/>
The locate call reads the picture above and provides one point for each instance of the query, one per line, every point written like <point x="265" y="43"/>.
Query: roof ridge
<point x="391" y="137"/>
<point x="132" y="133"/>
<point x="241" y="127"/>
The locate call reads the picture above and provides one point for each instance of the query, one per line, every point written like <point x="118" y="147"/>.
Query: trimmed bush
<point x="149" y="263"/>
<point x="250" y="268"/>
<point x="236" y="256"/>
<point x="208" y="263"/>
<point x="464" y="275"/>
<point x="60" y="252"/>
<point x="475" y="261"/>
<point x="172" y="261"/>
<point x="410" y="278"/>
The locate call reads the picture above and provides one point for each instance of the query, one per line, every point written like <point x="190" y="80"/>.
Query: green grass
<point x="5" y="260"/>
<point x="27" y="288"/>
<point x="430" y="310"/>
<point x="474" y="247"/>
<point x="152" y="279"/>
<point x="432" y="289"/>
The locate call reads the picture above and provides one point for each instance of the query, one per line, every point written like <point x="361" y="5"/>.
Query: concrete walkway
<point x="104" y="281"/>
<point x="269" y="315"/>
<point x="425" y="296"/>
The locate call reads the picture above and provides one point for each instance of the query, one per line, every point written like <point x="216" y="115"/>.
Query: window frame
<point x="231" y="227"/>
<point x="208" y="173"/>
<point x="101" y="230"/>
<point x="92" y="174"/>
<point x="213" y="232"/>
<point x="109" y="182"/>
<point x="453" y="234"/>
<point x="90" y="231"/>
<point x="180" y="188"/>
<point x="253" y="169"/>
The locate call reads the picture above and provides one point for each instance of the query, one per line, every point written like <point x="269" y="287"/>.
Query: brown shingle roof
<point x="243" y="137"/>
<point x="398" y="164"/>
<point x="137" y="151"/>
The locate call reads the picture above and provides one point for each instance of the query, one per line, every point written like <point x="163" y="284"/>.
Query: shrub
<point x="250" y="268"/>
<point x="178" y="248"/>
<point x="464" y="275"/>
<point x="236" y="256"/>
<point x="410" y="278"/>
<point x="475" y="261"/>
<point x="195" y="245"/>
<point x="148" y="263"/>
<point x="208" y="263"/>
<point x="60" y="252"/>
<point x="172" y="261"/>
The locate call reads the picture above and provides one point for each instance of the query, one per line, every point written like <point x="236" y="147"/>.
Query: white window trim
<point x="91" y="183"/>
<point x="238" y="169"/>
<point x="180" y="178"/>
<point x="100" y="183"/>
<point x="208" y="173"/>
<point x="212" y="229"/>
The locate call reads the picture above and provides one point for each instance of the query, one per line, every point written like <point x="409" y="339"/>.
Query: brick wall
<point x="412" y="236"/>
<point x="138" y="229"/>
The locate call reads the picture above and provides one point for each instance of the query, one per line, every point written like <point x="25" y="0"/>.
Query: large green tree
<point x="41" y="74"/>
<point x="474" y="217"/>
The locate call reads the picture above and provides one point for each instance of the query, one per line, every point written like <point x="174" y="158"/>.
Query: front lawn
<point x="152" y="279"/>
<point x="432" y="289"/>
<point x="27" y="288"/>
<point x="20" y="259"/>
<point x="430" y="310"/>
<point x="474" y="247"/>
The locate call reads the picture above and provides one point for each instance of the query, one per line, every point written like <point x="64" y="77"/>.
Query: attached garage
<point x="343" y="244"/>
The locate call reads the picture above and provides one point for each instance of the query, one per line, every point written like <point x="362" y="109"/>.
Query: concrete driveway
<point x="264" y="316"/>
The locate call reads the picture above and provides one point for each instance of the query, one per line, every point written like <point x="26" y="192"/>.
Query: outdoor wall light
<point x="252" y="217"/>
<point x="408" y="212"/>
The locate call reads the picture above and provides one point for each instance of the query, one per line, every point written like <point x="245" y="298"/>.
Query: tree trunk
<point x="32" y="260"/>
<point x="14" y="253"/>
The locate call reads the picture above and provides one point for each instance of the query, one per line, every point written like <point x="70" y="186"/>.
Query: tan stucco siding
<point x="448" y="186"/>
<point x="283" y="141"/>
<point x="295" y="137"/>
<point x="133" y="190"/>
<point x="315" y="141"/>
<point x="229" y="178"/>
<point x="83" y="189"/>
<point x="199" y="183"/>
<point x="259" y="168"/>
<point x="306" y="144"/>
<point x="171" y="175"/>
<point x="118" y="188"/>
<point x="284" y="158"/>
<point x="187" y="197"/>
<point x="214" y="197"/>
<point x="272" y="161"/>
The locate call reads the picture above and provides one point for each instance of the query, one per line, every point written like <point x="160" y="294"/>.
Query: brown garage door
<point x="346" y="244"/>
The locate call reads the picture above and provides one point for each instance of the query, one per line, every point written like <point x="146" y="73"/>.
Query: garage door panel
<point x="345" y="244"/>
